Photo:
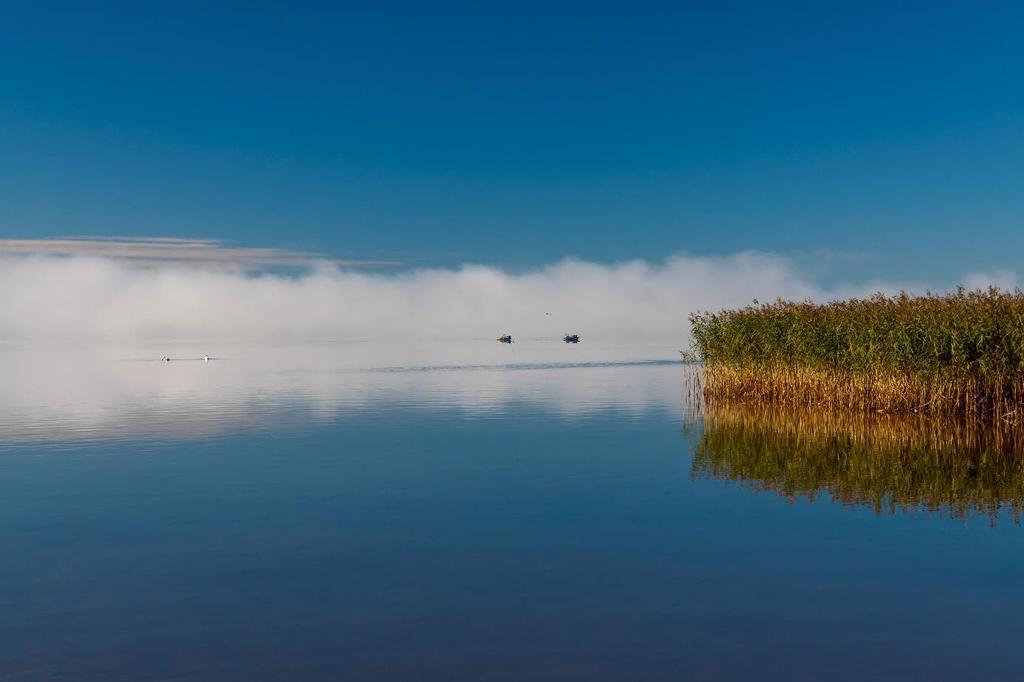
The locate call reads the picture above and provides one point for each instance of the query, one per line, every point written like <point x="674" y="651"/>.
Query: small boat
<point x="507" y="338"/>
<point x="571" y="338"/>
<point x="206" y="358"/>
<point x="166" y="358"/>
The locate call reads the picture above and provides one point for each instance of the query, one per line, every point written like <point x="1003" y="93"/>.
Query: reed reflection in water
<point x="891" y="463"/>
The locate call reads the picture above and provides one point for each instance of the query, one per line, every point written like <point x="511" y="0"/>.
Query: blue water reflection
<point x="326" y="518"/>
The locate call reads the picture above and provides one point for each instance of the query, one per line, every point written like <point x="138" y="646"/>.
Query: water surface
<point x="481" y="512"/>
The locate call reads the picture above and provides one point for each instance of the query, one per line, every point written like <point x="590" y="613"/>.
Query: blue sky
<point x="877" y="140"/>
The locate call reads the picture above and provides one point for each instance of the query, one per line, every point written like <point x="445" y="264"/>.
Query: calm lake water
<point x="537" y="511"/>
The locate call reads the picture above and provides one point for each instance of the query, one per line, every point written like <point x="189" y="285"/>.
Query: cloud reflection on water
<point x="63" y="396"/>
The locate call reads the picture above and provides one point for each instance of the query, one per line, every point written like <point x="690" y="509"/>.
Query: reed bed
<point x="906" y="463"/>
<point x="954" y="354"/>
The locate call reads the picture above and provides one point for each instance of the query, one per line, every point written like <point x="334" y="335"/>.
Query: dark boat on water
<point x="571" y="338"/>
<point x="507" y="338"/>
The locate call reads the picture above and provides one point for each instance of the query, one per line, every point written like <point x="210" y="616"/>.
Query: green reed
<point x="955" y="353"/>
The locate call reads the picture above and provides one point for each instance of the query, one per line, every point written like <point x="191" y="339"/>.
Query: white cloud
<point x="157" y="251"/>
<point x="1003" y="279"/>
<point x="100" y="297"/>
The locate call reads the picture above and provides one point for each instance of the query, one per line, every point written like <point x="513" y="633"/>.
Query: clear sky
<point x="513" y="134"/>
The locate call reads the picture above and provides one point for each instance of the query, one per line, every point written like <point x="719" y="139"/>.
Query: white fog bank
<point x="94" y="298"/>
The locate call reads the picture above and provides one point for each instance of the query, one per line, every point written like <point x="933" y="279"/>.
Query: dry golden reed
<point x="959" y="353"/>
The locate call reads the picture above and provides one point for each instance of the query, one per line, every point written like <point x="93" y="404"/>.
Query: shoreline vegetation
<point x="889" y="462"/>
<point x="952" y="354"/>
